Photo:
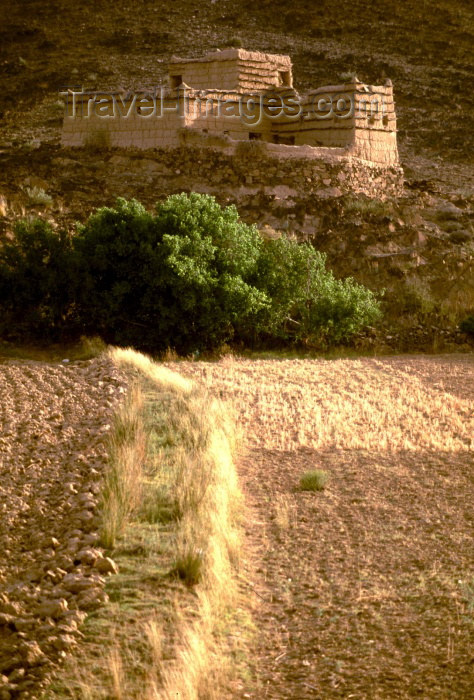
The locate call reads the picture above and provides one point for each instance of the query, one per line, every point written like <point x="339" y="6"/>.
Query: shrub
<point x="38" y="282"/>
<point x="191" y="276"/>
<point x="348" y="76"/>
<point x="308" y="304"/>
<point x="38" y="197"/>
<point x="371" y="209"/>
<point x="177" y="279"/>
<point x="189" y="567"/>
<point x="467" y="325"/>
<point x="234" y="41"/>
<point x="314" y="480"/>
<point x="415" y="297"/>
<point x="115" y="250"/>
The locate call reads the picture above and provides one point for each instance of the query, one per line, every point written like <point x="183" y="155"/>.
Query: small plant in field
<point x="37" y="196"/>
<point x="314" y="480"/>
<point x="189" y="567"/>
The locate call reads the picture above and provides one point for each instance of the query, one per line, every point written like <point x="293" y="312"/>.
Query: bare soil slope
<point x="366" y="589"/>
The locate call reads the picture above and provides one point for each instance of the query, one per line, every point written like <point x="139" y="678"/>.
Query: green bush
<point x="314" y="480"/>
<point x="176" y="279"/>
<point x="38" y="283"/>
<point x="467" y="325"/>
<point x="415" y="297"/>
<point x="189" y="276"/>
<point x="308" y="304"/>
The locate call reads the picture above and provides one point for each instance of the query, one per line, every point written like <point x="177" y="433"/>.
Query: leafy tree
<point x="189" y="276"/>
<point x="115" y="249"/>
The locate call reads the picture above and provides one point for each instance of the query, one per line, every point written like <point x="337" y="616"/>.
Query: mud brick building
<point x="228" y="97"/>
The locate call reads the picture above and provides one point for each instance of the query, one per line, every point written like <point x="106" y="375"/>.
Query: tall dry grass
<point x="123" y="482"/>
<point x="194" y="459"/>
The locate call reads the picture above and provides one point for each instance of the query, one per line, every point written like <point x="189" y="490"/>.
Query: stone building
<point x="235" y="95"/>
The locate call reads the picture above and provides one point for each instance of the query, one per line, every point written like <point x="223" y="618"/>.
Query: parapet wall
<point x="233" y="99"/>
<point x="353" y="116"/>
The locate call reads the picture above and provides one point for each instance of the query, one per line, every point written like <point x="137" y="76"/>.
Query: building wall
<point x="358" y="118"/>
<point x="232" y="69"/>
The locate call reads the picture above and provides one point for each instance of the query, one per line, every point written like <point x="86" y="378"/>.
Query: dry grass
<point x="284" y="511"/>
<point x="122" y="489"/>
<point x="172" y="451"/>
<point x="372" y="574"/>
<point x="351" y="404"/>
<point x="163" y="376"/>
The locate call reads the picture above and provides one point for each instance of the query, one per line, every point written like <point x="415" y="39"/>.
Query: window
<point x="284" y="78"/>
<point x="176" y="81"/>
<point x="285" y="140"/>
<point x="254" y="136"/>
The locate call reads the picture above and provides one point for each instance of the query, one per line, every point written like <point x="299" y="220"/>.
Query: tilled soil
<point x="364" y="590"/>
<point x="54" y="419"/>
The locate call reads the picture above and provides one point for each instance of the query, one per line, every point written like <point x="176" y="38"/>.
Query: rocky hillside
<point x="420" y="247"/>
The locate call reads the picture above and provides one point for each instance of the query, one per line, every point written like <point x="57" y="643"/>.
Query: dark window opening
<point x="285" y="140"/>
<point x="385" y="120"/>
<point x="284" y="78"/>
<point x="254" y="136"/>
<point x="176" y="80"/>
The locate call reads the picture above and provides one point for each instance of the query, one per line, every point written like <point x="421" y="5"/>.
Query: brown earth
<point x="54" y="419"/>
<point x="363" y="590"/>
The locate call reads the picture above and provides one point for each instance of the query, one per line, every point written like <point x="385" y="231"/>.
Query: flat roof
<point x="233" y="54"/>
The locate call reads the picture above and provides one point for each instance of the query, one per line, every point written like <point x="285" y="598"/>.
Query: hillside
<point x="425" y="241"/>
<point x="425" y="48"/>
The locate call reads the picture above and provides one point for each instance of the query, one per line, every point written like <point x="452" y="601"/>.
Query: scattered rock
<point x="17" y="675"/>
<point x="47" y="571"/>
<point x="6" y="620"/>
<point x="53" y="608"/>
<point x="89" y="556"/>
<point x="92" y="599"/>
<point x="32" y="654"/>
<point x="106" y="566"/>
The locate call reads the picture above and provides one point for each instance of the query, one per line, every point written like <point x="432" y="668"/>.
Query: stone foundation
<point x="280" y="171"/>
